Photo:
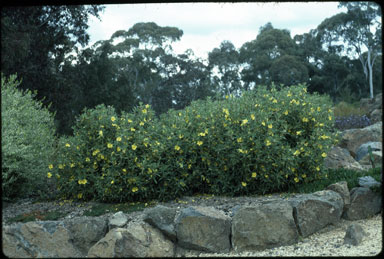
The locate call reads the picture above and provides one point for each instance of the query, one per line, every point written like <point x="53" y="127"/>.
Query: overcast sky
<point x="206" y="25"/>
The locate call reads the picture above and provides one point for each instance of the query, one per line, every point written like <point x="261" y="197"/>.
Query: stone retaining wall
<point x="169" y="232"/>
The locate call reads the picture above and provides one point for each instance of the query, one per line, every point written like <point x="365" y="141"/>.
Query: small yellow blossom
<point x="67" y="145"/>
<point x="135" y="189"/>
<point x="239" y="140"/>
<point x="49" y="175"/>
<point x="101" y="133"/>
<point x="134" y="147"/>
<point x="243" y="184"/>
<point x="252" y="117"/>
<point x="84" y="181"/>
<point x="243" y="122"/>
<point x="263" y="123"/>
<point x="87" y="159"/>
<point x="267" y="142"/>
<point x="286" y="112"/>
<point x="305" y="119"/>
<point x="113" y="118"/>
<point x="144" y="111"/>
<point x="324" y="155"/>
<point x="147" y="106"/>
<point x="296" y="179"/>
<point x="330" y="118"/>
<point x="118" y="149"/>
<point x="118" y="139"/>
<point x="177" y="148"/>
<point x="109" y="145"/>
<point x="298" y="132"/>
<point x="254" y="174"/>
<point x="199" y="143"/>
<point x="94" y="153"/>
<point x="141" y="123"/>
<point x="112" y="182"/>
<point x="297" y="152"/>
<point x="80" y="195"/>
<point x="50" y="166"/>
<point x="270" y="126"/>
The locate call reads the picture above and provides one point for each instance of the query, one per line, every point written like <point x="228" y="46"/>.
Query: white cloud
<point x="206" y="25"/>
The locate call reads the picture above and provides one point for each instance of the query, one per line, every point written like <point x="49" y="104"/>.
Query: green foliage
<point x="337" y="175"/>
<point x="27" y="141"/>
<point x="261" y="142"/>
<point x="344" y="109"/>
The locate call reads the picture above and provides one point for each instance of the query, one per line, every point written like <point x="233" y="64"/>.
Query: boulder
<point x="263" y="226"/>
<point x="377" y="159"/>
<point x="203" y="228"/>
<point x="376" y="115"/>
<point x="362" y="151"/>
<point x="352" y="139"/>
<point x="354" y="234"/>
<point x="138" y="239"/>
<point x="117" y="220"/>
<point x="339" y="157"/>
<point x="364" y="203"/>
<point x="368" y="182"/>
<point x="312" y="212"/>
<point x="342" y="189"/>
<point x="49" y="239"/>
<point x="86" y="231"/>
<point x="162" y="218"/>
<point x="370" y="105"/>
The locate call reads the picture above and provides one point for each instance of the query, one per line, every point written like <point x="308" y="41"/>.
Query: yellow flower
<point x="67" y="145"/>
<point x="101" y="133"/>
<point x="252" y="117"/>
<point x="113" y="118"/>
<point x="87" y="159"/>
<point x="112" y="182"/>
<point x="324" y="155"/>
<point x="330" y="118"/>
<point x="118" y="149"/>
<point x="94" y="153"/>
<point x="297" y="152"/>
<point x="263" y="123"/>
<point x="296" y="179"/>
<point x="289" y="94"/>
<point x="199" y="143"/>
<point x="80" y="195"/>
<point x="50" y="166"/>
<point x="132" y="129"/>
<point x="141" y="123"/>
<point x="318" y="109"/>
<point x="61" y="166"/>
<point x="118" y="139"/>
<point x="49" y="175"/>
<point x="129" y="120"/>
<point x="144" y="111"/>
<point x="305" y="119"/>
<point x="266" y="176"/>
<point x="317" y="168"/>
<point x="286" y="112"/>
<point x="226" y="97"/>
<point x="270" y="126"/>
<point x="84" y="181"/>
<point x="298" y="132"/>
<point x="201" y="134"/>
<point x="177" y="148"/>
<point x="243" y="184"/>
<point x="72" y="165"/>
<point x="274" y="101"/>
<point x="254" y="174"/>
<point x="58" y="176"/>
<point x="109" y="145"/>
<point x="135" y="189"/>
<point x="147" y="106"/>
<point x="245" y="121"/>
<point x="303" y="175"/>
<point x="134" y="147"/>
<point x="267" y="142"/>
<point x="239" y="140"/>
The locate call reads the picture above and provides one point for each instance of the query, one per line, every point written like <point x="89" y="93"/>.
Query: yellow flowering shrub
<point x="264" y="141"/>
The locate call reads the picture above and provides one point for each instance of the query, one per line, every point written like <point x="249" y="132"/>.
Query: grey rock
<point x="364" y="203"/>
<point x="352" y="139"/>
<point x="363" y="149"/>
<point x="376" y="115"/>
<point x="342" y="189"/>
<point x="377" y="157"/>
<point x="263" y="226"/>
<point x="138" y="239"/>
<point x="313" y="212"/>
<point x="117" y="220"/>
<point x="203" y="228"/>
<point x="339" y="157"/>
<point x="48" y="239"/>
<point x="86" y="231"/>
<point x="354" y="234"/>
<point x="368" y="182"/>
<point x="162" y="218"/>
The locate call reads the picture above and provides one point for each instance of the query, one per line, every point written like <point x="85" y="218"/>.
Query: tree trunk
<point x="370" y="64"/>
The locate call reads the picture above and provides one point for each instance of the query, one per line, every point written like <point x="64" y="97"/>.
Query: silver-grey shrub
<point x="27" y="141"/>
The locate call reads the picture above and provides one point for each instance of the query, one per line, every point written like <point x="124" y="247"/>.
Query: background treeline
<point x="47" y="47"/>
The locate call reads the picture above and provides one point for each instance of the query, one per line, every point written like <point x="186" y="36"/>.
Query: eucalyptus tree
<point x="356" y="33"/>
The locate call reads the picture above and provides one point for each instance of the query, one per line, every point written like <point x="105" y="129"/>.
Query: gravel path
<point x="328" y="242"/>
